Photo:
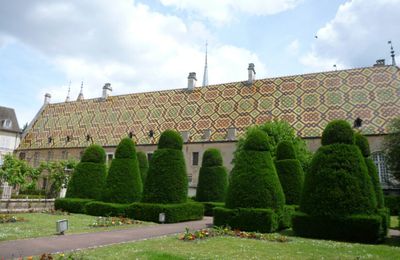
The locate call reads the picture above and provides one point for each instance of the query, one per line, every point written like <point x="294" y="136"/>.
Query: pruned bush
<point x="362" y="143"/>
<point x="99" y="208"/>
<point x="254" y="182"/>
<point x="285" y="216"/>
<point x="209" y="207"/>
<point x="167" y="180"/>
<point x="173" y="212"/>
<point x="262" y="220"/>
<point x="143" y="165"/>
<point x="393" y="203"/>
<point x="89" y="176"/>
<point x="213" y="178"/>
<point x="290" y="173"/>
<point x="123" y="184"/>
<point x="337" y="132"/>
<point x="72" y="205"/>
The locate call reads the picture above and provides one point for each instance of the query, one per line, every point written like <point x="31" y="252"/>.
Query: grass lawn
<point x="394" y="222"/>
<point x="239" y="248"/>
<point x="43" y="224"/>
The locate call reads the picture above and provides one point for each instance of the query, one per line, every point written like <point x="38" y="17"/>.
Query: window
<point x="149" y="156"/>
<point x="36" y="159"/>
<point x="110" y="157"/>
<point x="195" y="158"/>
<point x="49" y="156"/>
<point x="22" y="156"/>
<point x="190" y="178"/>
<point x="64" y="155"/>
<point x="44" y="184"/>
<point x="7" y="123"/>
<point x="379" y="160"/>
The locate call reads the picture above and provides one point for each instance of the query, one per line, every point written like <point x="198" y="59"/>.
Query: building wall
<point x="9" y="141"/>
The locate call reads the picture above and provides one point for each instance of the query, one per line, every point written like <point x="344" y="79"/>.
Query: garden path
<point x="37" y="246"/>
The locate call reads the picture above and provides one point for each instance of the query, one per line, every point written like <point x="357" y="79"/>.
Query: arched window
<point x="380" y="163"/>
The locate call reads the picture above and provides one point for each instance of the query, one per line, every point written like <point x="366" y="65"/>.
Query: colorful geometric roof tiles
<point x="308" y="102"/>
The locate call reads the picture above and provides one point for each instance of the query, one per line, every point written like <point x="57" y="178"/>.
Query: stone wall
<point x="25" y="205"/>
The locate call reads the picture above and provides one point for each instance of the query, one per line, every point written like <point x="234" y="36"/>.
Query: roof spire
<point x="205" y="76"/>
<point x="392" y="54"/>
<point x="80" y="96"/>
<point x="69" y="90"/>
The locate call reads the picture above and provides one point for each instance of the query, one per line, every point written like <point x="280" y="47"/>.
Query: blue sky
<point x="142" y="45"/>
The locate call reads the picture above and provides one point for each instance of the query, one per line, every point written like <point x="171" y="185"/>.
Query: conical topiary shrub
<point x="123" y="184"/>
<point x="213" y="178"/>
<point x="338" y="200"/>
<point x="90" y="174"/>
<point x="167" y="180"/>
<point x="362" y="143"/>
<point x="254" y="182"/>
<point x="290" y="173"/>
<point x="143" y="165"/>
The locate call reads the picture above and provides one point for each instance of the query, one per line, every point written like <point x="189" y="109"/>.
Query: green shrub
<point x="254" y="182"/>
<point x="213" y="178"/>
<point x="143" y="165"/>
<point x="362" y="143"/>
<point x="285" y="150"/>
<point x="291" y="177"/>
<point x="170" y="139"/>
<point x="358" y="228"/>
<point x="87" y="181"/>
<point x="393" y="203"/>
<point x="256" y="140"/>
<point x="72" y="205"/>
<point x="262" y="220"/>
<point x="373" y="174"/>
<point x="167" y="180"/>
<point x="99" y="208"/>
<point x="338" y="132"/>
<point x="209" y="207"/>
<point x="338" y="183"/>
<point x="173" y="212"/>
<point x="285" y="216"/>
<point x="95" y="154"/>
<point x="123" y="184"/>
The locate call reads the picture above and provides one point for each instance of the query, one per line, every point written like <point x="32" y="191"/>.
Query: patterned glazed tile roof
<point x="308" y="102"/>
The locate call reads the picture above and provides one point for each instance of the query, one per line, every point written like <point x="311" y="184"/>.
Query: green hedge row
<point x="247" y="219"/>
<point x="359" y="228"/>
<point x="285" y="217"/>
<point x="173" y="212"/>
<point x="209" y="207"/>
<point x="393" y="203"/>
<point x="99" y="208"/>
<point x="72" y="205"/>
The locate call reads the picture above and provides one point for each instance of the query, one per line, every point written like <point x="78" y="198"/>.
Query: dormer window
<point x="7" y="123"/>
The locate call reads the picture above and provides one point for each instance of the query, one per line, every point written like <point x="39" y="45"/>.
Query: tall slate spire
<point x="80" y="96"/>
<point x="205" y="75"/>
<point x="69" y="90"/>
<point x="392" y="54"/>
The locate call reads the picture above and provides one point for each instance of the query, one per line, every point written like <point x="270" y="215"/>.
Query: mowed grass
<point x="239" y="248"/>
<point x="394" y="222"/>
<point x="43" y="224"/>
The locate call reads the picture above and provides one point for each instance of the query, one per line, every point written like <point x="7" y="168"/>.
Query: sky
<point x="48" y="46"/>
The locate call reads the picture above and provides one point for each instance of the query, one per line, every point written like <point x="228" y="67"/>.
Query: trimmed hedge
<point x="393" y="203"/>
<point x="87" y="181"/>
<point x="262" y="220"/>
<point x="286" y="215"/>
<point x="95" y="154"/>
<point x="285" y="150"/>
<point x="291" y="177"/>
<point x="167" y="180"/>
<point x="173" y="212"/>
<point x="213" y="178"/>
<point x="209" y="207"/>
<point x="362" y="143"/>
<point x="99" y="208"/>
<point x="338" y="183"/>
<point x="123" y="184"/>
<point x="373" y="174"/>
<point x="256" y="140"/>
<point x="143" y="165"/>
<point x="71" y="205"/>
<point x="337" y="132"/>
<point x="358" y="228"/>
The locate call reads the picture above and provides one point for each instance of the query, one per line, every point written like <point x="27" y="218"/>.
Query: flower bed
<point x="113" y="221"/>
<point x="6" y="218"/>
<point x="214" y="232"/>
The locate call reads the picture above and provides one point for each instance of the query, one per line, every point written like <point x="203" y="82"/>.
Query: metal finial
<point x="392" y="53"/>
<point x="80" y="96"/>
<point x="69" y="91"/>
<point x="205" y="75"/>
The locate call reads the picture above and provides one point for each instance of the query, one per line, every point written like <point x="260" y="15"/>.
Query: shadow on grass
<point x="392" y="241"/>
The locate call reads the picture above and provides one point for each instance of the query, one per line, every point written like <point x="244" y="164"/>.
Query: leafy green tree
<point x="392" y="145"/>
<point x="278" y="131"/>
<point x="17" y="172"/>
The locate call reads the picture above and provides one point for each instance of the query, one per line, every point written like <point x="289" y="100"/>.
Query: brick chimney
<point x="191" y="81"/>
<point x="47" y="98"/>
<point x="106" y="91"/>
<point x="251" y="73"/>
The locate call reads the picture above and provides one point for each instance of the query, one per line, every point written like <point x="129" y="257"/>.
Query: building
<point x="9" y="132"/>
<point x="214" y="116"/>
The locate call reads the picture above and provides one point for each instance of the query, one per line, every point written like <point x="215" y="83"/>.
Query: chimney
<point x="379" y="63"/>
<point x="231" y="135"/>
<point x="252" y="73"/>
<point x="106" y="90"/>
<point x="192" y="81"/>
<point x="47" y="98"/>
<point x="185" y="136"/>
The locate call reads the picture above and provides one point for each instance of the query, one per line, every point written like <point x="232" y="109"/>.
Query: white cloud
<point x="360" y="30"/>
<point x="293" y="47"/>
<point x="225" y="10"/>
<point x="122" y="42"/>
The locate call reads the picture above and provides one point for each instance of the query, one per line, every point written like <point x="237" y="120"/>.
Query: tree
<point x="17" y="172"/>
<point x="123" y="184"/>
<point x="278" y="131"/>
<point x="392" y="145"/>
